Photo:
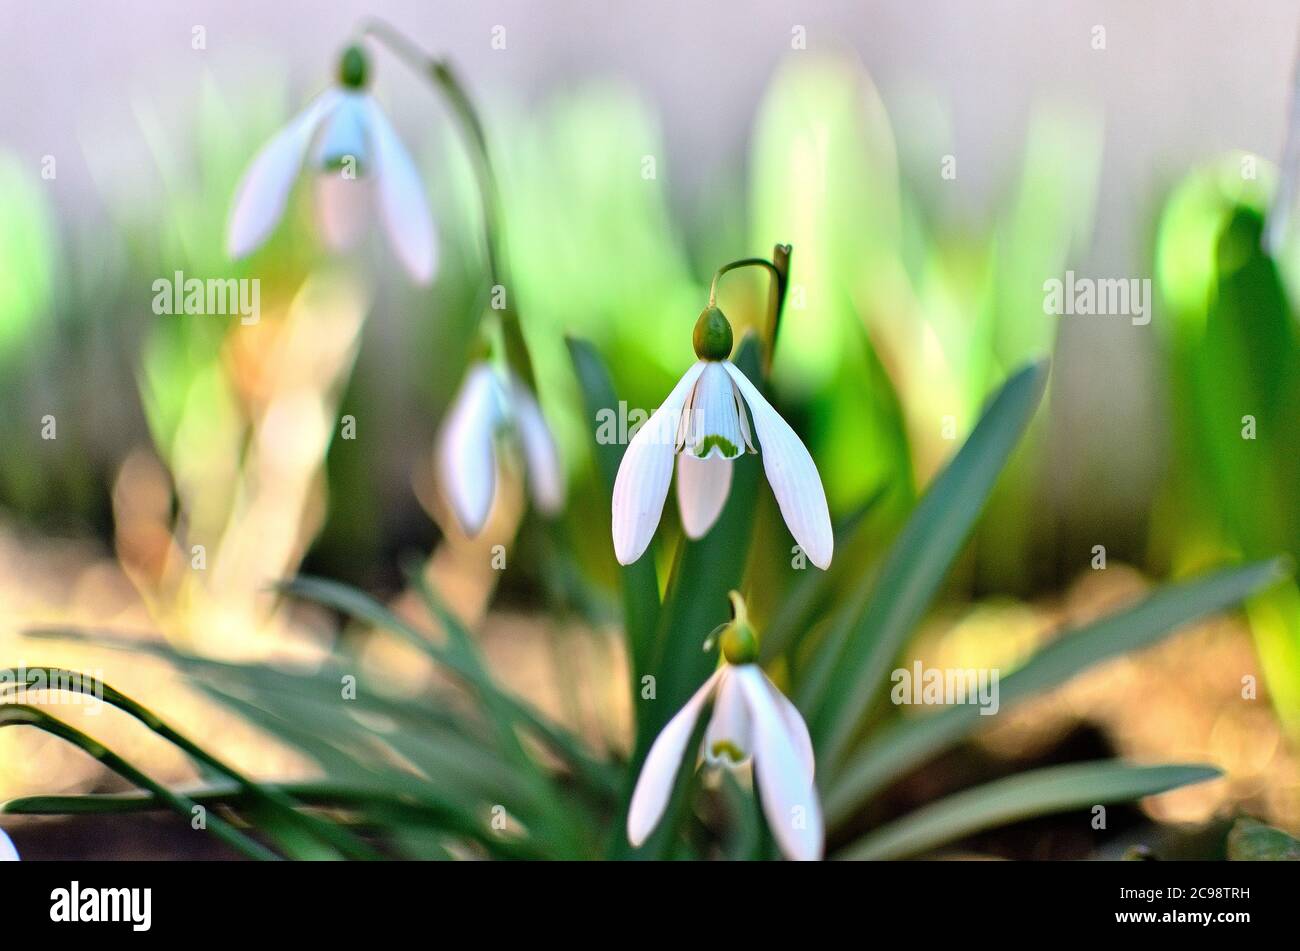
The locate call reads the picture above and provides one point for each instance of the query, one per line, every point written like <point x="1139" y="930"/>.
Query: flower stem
<point x="506" y="336"/>
<point x="779" y="268"/>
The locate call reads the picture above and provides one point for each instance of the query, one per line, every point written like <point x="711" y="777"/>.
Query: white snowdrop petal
<point x="7" y="851"/>
<point x="342" y="206"/>
<point x="789" y="797"/>
<point x="263" y="191"/>
<point x="541" y="458"/>
<point x="743" y="415"/>
<point x="797" y="728"/>
<point x="712" y="424"/>
<point x="645" y="472"/>
<point x="655" y="784"/>
<point x="728" y="741"/>
<point x="402" y="203"/>
<point x="792" y="474"/>
<point x="343" y="136"/>
<point x="466" y="460"/>
<point x="702" y="487"/>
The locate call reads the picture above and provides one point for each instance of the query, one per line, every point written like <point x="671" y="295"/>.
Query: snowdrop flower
<point x="487" y="406"/>
<point x="705" y="423"/>
<point x="751" y="719"/>
<point x="342" y="132"/>
<point x="7" y="851"/>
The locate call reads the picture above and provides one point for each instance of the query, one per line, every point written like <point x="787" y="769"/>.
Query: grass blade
<point x="58" y="678"/>
<point x="420" y="808"/>
<point x="23" y="715"/>
<point x="1054" y="789"/>
<point x="362" y="607"/>
<point x="640" y="583"/>
<point x="919" y="560"/>
<point x="910" y="742"/>
<point x="797" y="610"/>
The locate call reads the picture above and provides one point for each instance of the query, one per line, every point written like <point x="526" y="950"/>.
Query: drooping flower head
<point x="344" y="139"/>
<point x="705" y="424"/>
<point x="751" y="720"/>
<point x="488" y="409"/>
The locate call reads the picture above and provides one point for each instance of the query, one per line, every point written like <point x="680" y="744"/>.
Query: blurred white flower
<point x="7" y="851"/>
<point x="751" y="718"/>
<point x="353" y="149"/>
<point x="704" y="424"/>
<point x="486" y="407"/>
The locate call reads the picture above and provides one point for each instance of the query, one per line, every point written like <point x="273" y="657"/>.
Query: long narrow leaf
<point x="640" y="584"/>
<point x="364" y="608"/>
<point x="797" y="610"/>
<point x="421" y="808"/>
<point x="56" y="678"/>
<point x="1055" y="789"/>
<point x="22" y="715"/>
<point x="908" y="743"/>
<point x="919" y="560"/>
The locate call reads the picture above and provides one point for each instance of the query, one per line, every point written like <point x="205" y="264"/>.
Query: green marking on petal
<point x="726" y="445"/>
<point x="726" y="748"/>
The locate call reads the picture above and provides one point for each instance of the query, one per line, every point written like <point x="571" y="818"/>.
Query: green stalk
<point x="505" y="333"/>
<point x="779" y="268"/>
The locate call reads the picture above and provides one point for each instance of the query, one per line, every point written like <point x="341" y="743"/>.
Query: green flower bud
<point x="354" y="68"/>
<point x="739" y="644"/>
<point x="739" y="641"/>
<point x="712" y="337"/>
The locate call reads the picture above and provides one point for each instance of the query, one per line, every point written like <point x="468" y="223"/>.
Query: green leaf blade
<point x="908" y="743"/>
<point x="919" y="560"/>
<point x="640" y="583"/>
<point x="1023" y="796"/>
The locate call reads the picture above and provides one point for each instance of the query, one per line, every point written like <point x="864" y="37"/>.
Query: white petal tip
<point x="626" y="556"/>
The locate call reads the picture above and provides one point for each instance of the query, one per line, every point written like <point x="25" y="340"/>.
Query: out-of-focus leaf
<point x="640" y="584"/>
<point x="1055" y="789"/>
<point x="919" y="560"/>
<point x="358" y="605"/>
<point x="1234" y="350"/>
<point x="1252" y="841"/>
<point x="27" y="255"/>
<point x="274" y="804"/>
<point x="319" y="682"/>
<point x="385" y="807"/>
<point x="907" y="743"/>
<point x="794" y="614"/>
<point x="23" y="715"/>
<point x="825" y="178"/>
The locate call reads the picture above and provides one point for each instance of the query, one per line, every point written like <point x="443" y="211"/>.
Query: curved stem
<point x="735" y="266"/>
<point x="507" y="336"/>
<point x="779" y="268"/>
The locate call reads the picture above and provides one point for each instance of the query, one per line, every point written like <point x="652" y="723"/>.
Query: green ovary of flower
<point x="354" y="69"/>
<point x="712" y="337"/>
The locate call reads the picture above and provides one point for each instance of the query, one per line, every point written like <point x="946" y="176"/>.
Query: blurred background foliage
<point x="183" y="431"/>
